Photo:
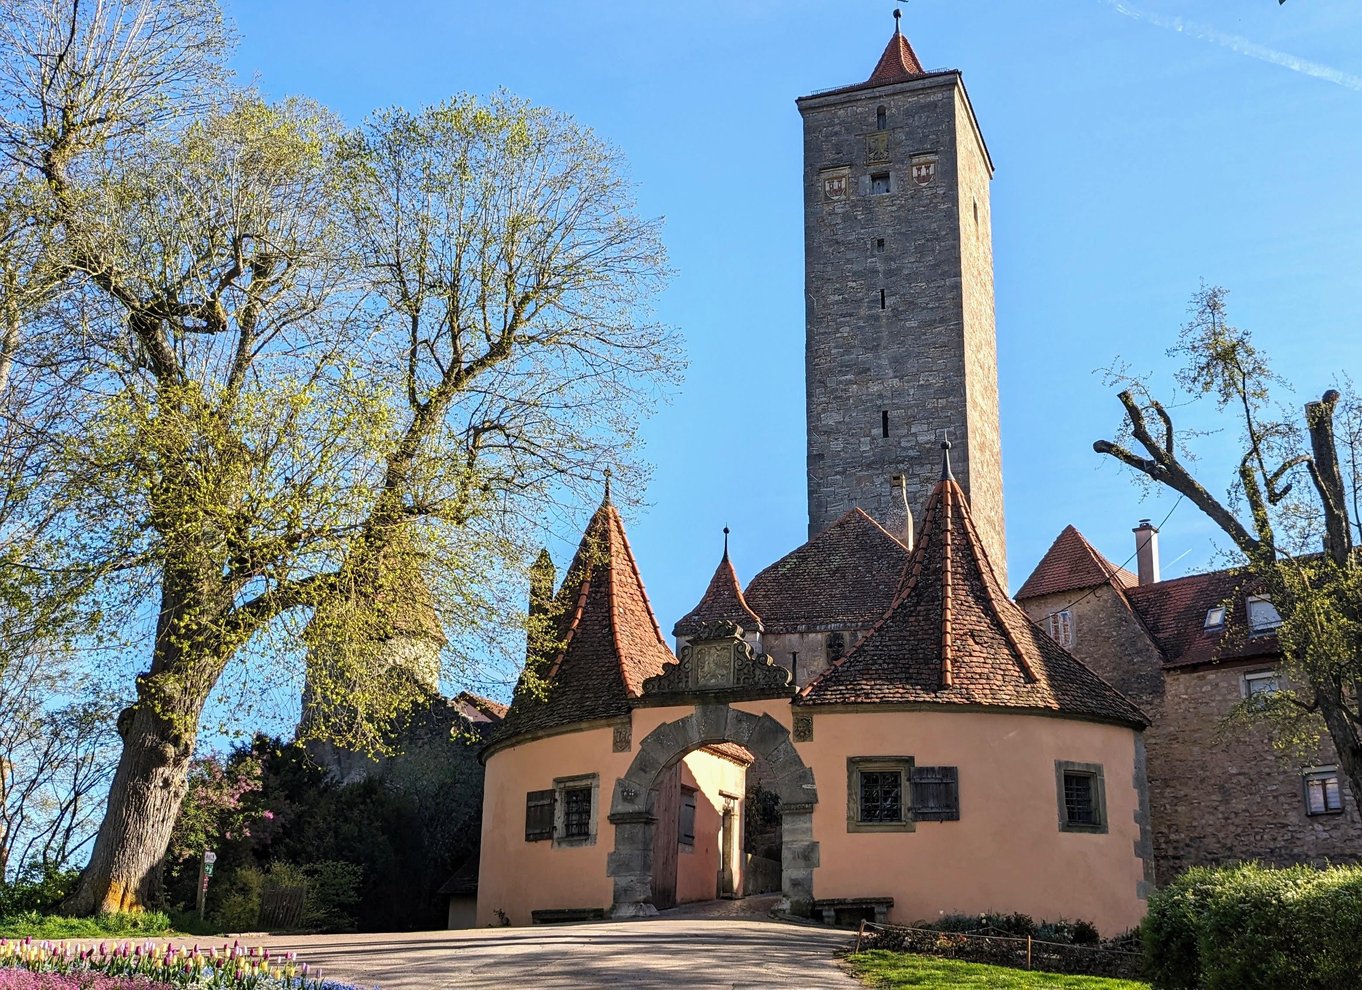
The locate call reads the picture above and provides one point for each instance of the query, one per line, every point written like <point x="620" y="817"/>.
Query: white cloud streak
<point x="1239" y="44"/>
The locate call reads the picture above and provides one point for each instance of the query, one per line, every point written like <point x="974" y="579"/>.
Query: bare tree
<point x="1290" y="513"/>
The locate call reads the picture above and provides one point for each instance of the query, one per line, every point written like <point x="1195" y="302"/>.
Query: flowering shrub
<point x="31" y="965"/>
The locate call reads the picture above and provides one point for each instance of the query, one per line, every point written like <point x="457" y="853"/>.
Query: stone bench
<point x="566" y="916"/>
<point x="864" y="908"/>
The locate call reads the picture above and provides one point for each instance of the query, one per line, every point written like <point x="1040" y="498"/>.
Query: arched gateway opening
<point x="715" y="669"/>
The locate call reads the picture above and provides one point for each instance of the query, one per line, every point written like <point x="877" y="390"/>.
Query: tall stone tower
<point x="900" y="350"/>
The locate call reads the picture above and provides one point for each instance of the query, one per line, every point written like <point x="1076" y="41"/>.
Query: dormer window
<point x="1215" y="619"/>
<point x="1262" y="616"/>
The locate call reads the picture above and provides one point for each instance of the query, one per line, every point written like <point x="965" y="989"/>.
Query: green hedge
<point x="1251" y="927"/>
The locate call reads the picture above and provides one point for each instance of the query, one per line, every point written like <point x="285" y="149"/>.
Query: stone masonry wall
<point x="1214" y="795"/>
<point x="907" y="358"/>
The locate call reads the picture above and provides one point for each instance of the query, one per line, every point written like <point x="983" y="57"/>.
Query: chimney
<point x="898" y="520"/>
<point x="1147" y="551"/>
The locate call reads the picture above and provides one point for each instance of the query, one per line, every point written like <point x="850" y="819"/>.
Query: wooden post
<point x="205" y="871"/>
<point x="859" y="932"/>
<point x="1028" y="952"/>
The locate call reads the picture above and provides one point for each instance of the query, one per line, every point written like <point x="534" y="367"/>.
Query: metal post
<point x="205" y="871"/>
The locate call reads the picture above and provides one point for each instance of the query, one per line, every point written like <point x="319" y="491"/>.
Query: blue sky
<point x="1136" y="154"/>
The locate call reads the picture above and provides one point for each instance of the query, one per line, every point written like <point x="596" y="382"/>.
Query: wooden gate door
<point x="668" y="810"/>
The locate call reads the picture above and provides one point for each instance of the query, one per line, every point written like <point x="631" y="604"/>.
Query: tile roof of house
<point x="609" y="638"/>
<point x="952" y="637"/>
<point x="1073" y="564"/>
<point x="489" y="710"/>
<point x="1174" y="611"/>
<point x="898" y="63"/>
<point x="735" y="752"/>
<point x="722" y="602"/>
<point x="845" y="576"/>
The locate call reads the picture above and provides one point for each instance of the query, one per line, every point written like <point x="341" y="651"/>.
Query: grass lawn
<point x="878" y="968"/>
<point x="151" y="924"/>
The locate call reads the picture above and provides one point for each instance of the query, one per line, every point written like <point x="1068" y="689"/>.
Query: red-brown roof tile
<point x="952" y="637"/>
<point x="1073" y="564"/>
<point x="722" y="601"/>
<point x="1174" y="611"/>
<point x="842" y="578"/>
<point x="898" y="63"/>
<point x="610" y="640"/>
<point x="736" y="752"/>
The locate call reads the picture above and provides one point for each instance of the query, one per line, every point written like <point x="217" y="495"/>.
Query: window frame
<point x="1060" y="625"/>
<point x="1218" y="612"/>
<point x="888" y="178"/>
<point x="1250" y="677"/>
<point x="1094" y="773"/>
<point x="689" y="799"/>
<point x="903" y="766"/>
<point x="561" y="785"/>
<point x="1322" y="774"/>
<point x="1256" y="628"/>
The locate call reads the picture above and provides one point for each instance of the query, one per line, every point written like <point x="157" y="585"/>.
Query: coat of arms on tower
<point x="836" y="184"/>
<point x="924" y="170"/>
<point x="877" y="148"/>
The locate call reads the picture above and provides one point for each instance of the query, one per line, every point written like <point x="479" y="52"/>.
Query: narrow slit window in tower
<point x="881" y="299"/>
<point x="879" y="245"/>
<point x="884" y="422"/>
<point x="976" y="213"/>
<point x="881" y="119"/>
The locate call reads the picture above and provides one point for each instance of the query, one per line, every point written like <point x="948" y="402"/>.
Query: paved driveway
<point x="670" y="953"/>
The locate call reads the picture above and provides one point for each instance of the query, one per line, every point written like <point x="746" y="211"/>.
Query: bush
<point x="37" y="889"/>
<point x="1252" y="927"/>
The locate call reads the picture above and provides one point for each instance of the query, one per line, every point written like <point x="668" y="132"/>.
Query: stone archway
<point x="630" y="866"/>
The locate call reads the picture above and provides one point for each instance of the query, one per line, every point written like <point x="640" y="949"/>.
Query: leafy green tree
<point x="313" y="364"/>
<point x="1291" y="514"/>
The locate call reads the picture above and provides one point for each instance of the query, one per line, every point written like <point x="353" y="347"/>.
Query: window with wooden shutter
<point x="539" y="815"/>
<point x="685" y="825"/>
<point x="936" y="794"/>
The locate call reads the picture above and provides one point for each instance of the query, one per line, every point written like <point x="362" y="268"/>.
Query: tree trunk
<point x="144" y="801"/>
<point x="1343" y="734"/>
<point x="158" y="732"/>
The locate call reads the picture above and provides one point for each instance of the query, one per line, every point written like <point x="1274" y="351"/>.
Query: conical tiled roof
<point x="952" y="637"/>
<point x="1073" y="564"/>
<point x="898" y="63"/>
<point x="609" y="640"/>
<point x="722" y="602"/>
<point x="845" y="576"/>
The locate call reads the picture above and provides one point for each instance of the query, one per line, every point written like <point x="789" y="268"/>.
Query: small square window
<point x="1322" y="793"/>
<point x="1261" y="682"/>
<point x="1082" y="797"/>
<point x="574" y="810"/>
<point x="877" y="794"/>
<point x="1262" y="616"/>
<point x="879" y="183"/>
<point x="1215" y="619"/>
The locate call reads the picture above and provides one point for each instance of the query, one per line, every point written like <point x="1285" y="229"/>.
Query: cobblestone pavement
<point x="666" y="952"/>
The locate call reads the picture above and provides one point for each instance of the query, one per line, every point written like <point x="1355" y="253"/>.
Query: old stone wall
<point x="807" y="654"/>
<point x="1219" y="795"/>
<point x="894" y="343"/>
<point x="1215" y="795"/>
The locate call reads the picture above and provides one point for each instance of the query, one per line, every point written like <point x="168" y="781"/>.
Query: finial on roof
<point x="946" y="461"/>
<point x="606" y="500"/>
<point x="725" y="543"/>
<point x="897" y="15"/>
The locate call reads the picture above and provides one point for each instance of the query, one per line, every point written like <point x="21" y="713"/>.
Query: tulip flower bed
<point x="30" y="965"/>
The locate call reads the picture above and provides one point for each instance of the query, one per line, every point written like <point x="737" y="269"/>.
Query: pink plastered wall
<point x="697" y="870"/>
<point x="1006" y="853"/>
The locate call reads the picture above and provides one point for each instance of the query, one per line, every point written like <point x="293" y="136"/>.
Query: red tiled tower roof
<point x="845" y="576"/>
<point x="898" y="63"/>
<point x="1073" y="564"/>
<point x="609" y="638"/>
<point x="951" y="636"/>
<point x="722" y="602"/>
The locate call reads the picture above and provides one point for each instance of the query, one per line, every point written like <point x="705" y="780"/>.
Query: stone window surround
<point x="561" y="784"/>
<point x="1099" y="796"/>
<point x="1321" y="773"/>
<point x="857" y="764"/>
